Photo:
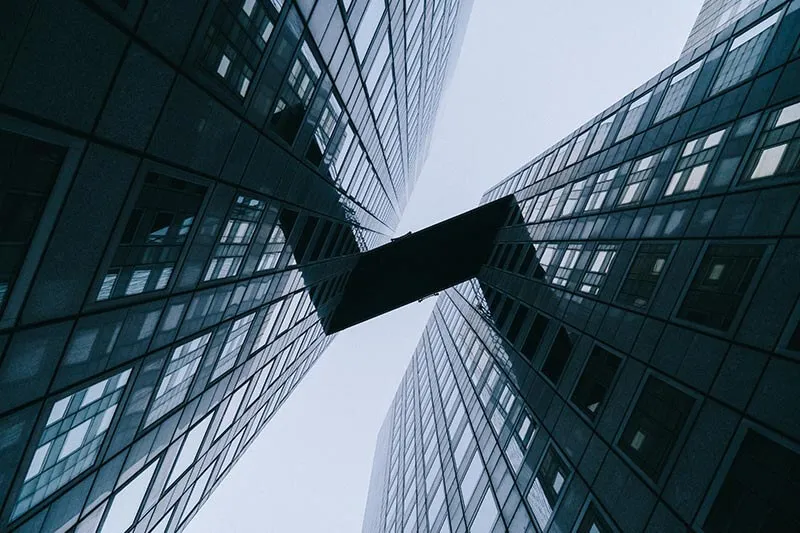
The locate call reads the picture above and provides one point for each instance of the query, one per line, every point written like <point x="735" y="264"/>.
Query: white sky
<point x="529" y="73"/>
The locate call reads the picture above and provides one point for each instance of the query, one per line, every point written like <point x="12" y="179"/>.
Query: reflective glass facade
<point x="628" y="358"/>
<point x="184" y="189"/>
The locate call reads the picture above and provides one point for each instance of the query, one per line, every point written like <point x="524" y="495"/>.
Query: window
<point x="694" y="163"/>
<point x="547" y="487"/>
<point x="633" y="116"/>
<point x="720" y="283"/>
<point x="324" y="130"/>
<point x="777" y="150"/>
<point x="600" y="189"/>
<point x="678" y="91"/>
<point x="29" y="170"/>
<point x="71" y="439"/>
<point x="580" y="142"/>
<point x="559" y="159"/>
<point x="291" y="105"/>
<point x="236" y="40"/>
<point x="197" y="492"/>
<point x="759" y="490"/>
<point x="600" y="136"/>
<point x="153" y="237"/>
<point x="233" y="345"/>
<point x="573" y="198"/>
<point x="273" y="249"/>
<point x="640" y="284"/>
<point x="595" y="381"/>
<point x="533" y="208"/>
<point x="547" y="252"/>
<point x="745" y="54"/>
<point x="660" y="414"/>
<point x="599" y="265"/>
<point x="367" y="27"/>
<point x="535" y="335"/>
<point x="553" y="203"/>
<point x="174" y="386"/>
<point x="188" y="453"/>
<point x="471" y="478"/>
<point x="636" y="184"/>
<point x="237" y="234"/>
<point x="593" y="521"/>
<point x="558" y="356"/>
<point x="126" y="503"/>
<point x="567" y="265"/>
<point x="486" y="516"/>
<point x="230" y="411"/>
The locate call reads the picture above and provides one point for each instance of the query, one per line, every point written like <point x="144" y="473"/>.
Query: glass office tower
<point x="184" y="188"/>
<point x="629" y="358"/>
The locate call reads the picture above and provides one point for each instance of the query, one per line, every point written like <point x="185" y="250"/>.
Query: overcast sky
<point x="529" y="73"/>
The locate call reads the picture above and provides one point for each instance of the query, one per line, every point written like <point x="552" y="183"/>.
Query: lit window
<point x="694" y="163"/>
<point x="720" y="284"/>
<point x="547" y="487"/>
<point x="678" y="91"/>
<point x="70" y="440"/>
<point x="745" y="54"/>
<point x="652" y="431"/>
<point x="181" y="368"/>
<point x="777" y="150"/>
<point x="633" y="116"/>
<point x="126" y="503"/>
<point x="238" y="233"/>
<point x="600" y="189"/>
<point x="233" y="345"/>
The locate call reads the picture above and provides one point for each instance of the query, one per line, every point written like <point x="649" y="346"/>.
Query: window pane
<point x="642" y="279"/>
<point x="720" y="283"/>
<point x="759" y="491"/>
<point x="75" y="430"/>
<point x="595" y="381"/>
<point x="654" y="426"/>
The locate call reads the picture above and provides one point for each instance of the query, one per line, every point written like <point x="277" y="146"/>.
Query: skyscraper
<point x="184" y="187"/>
<point x="627" y="359"/>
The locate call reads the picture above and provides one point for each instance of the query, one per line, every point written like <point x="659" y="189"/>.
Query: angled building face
<point x="627" y="360"/>
<point x="184" y="188"/>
